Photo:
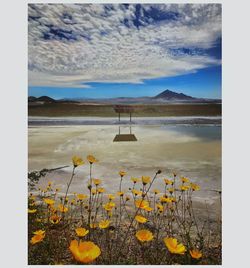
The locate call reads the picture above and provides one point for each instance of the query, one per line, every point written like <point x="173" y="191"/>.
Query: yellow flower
<point x="173" y="246"/>
<point x="172" y="199"/>
<point x="136" y="192"/>
<point x="62" y="208"/>
<point x="140" y="219"/>
<point x="183" y="179"/>
<point x="32" y="197"/>
<point x="84" y="252"/>
<point x="135" y="180"/>
<point x="195" y="254"/>
<point x="39" y="232"/>
<point x="77" y="161"/>
<point x="31" y="211"/>
<point x="195" y="187"/>
<point x="184" y="187"/>
<point x="101" y="190"/>
<point x="73" y="201"/>
<point x="140" y="203"/>
<point x="168" y="182"/>
<point x="164" y="199"/>
<point x="49" y="202"/>
<point x="111" y="196"/>
<point x="49" y="183"/>
<point x="91" y="159"/>
<point x="96" y="181"/>
<point x="156" y="191"/>
<point x="93" y="225"/>
<point x="52" y="209"/>
<point x="159" y="206"/>
<point x="122" y="173"/>
<point x="120" y="193"/>
<point x="55" y="219"/>
<point x="81" y="196"/>
<point x="145" y="179"/>
<point x="81" y="231"/>
<point x="171" y="190"/>
<point x="104" y="224"/>
<point x="93" y="191"/>
<point x="144" y="235"/>
<point x="37" y="238"/>
<point x="148" y="209"/>
<point x="109" y="206"/>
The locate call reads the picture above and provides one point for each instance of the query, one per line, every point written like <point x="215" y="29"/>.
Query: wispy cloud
<point x="70" y="45"/>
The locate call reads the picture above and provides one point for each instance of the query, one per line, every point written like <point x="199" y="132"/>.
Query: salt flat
<point x="190" y="150"/>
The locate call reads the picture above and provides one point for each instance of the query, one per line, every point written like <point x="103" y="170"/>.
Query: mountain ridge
<point x="170" y="95"/>
<point x="166" y="96"/>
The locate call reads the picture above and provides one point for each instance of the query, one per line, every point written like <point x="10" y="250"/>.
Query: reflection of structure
<point x="124" y="109"/>
<point x="125" y="137"/>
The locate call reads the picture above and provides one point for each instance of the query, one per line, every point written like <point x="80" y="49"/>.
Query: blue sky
<point x="205" y="83"/>
<point x="105" y="51"/>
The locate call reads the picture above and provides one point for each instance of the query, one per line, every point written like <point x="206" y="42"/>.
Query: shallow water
<point x="190" y="150"/>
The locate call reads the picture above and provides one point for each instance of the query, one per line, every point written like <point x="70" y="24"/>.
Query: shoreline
<point x="97" y="120"/>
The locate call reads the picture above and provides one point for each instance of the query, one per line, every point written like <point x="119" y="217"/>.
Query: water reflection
<point x="124" y="136"/>
<point x="203" y="132"/>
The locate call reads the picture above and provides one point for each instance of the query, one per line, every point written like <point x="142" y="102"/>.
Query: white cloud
<point x="99" y="47"/>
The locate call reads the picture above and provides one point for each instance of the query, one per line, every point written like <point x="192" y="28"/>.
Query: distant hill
<point x="167" y="96"/>
<point x="31" y="99"/>
<point x="41" y="99"/>
<point x="46" y="99"/>
<point x="171" y="95"/>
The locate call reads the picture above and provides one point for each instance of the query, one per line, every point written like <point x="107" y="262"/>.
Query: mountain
<point x="44" y="99"/>
<point x="173" y="96"/>
<point x="166" y="96"/>
<point x="31" y="99"/>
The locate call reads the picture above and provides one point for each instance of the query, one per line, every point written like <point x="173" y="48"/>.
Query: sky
<point x="124" y="50"/>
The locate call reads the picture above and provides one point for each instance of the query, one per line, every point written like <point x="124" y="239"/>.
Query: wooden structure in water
<point x="124" y="137"/>
<point x="124" y="109"/>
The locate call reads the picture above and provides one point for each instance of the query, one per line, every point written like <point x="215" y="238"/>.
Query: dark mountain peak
<point x="45" y="99"/>
<point x="171" y="95"/>
<point x="42" y="98"/>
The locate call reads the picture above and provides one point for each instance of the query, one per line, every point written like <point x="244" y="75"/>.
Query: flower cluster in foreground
<point x="142" y="224"/>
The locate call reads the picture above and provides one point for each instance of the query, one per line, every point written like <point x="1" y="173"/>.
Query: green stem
<point x="68" y="185"/>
